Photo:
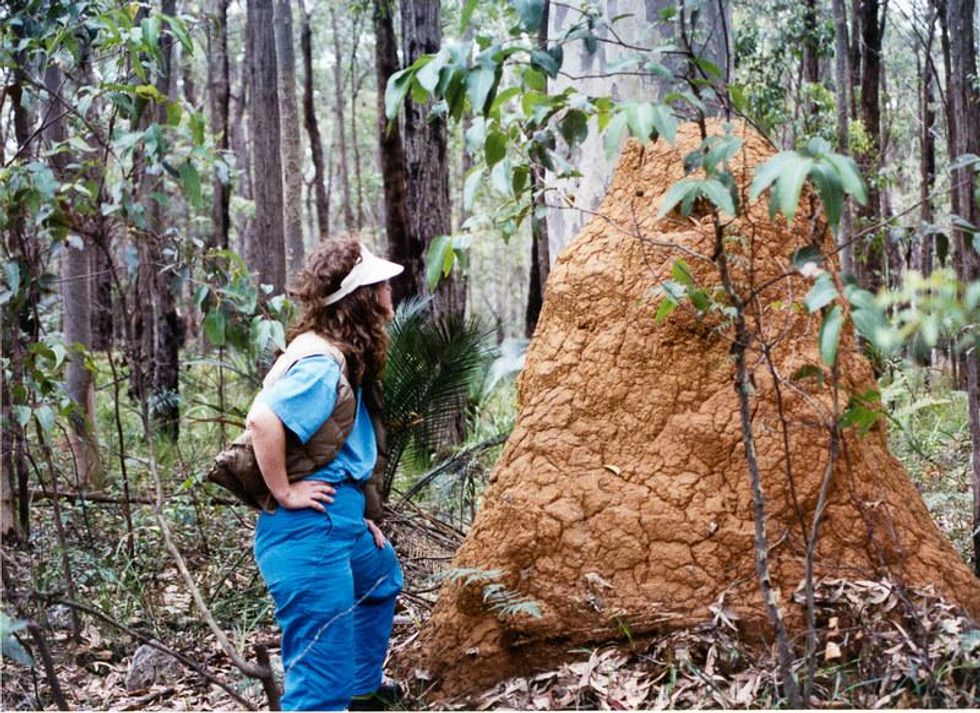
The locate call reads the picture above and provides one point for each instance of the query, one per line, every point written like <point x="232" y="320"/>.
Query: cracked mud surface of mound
<point x="621" y="501"/>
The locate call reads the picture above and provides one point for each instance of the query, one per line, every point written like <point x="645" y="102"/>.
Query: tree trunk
<point x="245" y="226"/>
<point x="811" y="57"/>
<point x="869" y="254"/>
<point x="429" y="213"/>
<point x="964" y="117"/>
<point x="927" y="151"/>
<point x="219" y="89"/>
<point x="292" y="163"/>
<point x="313" y="128"/>
<point x="266" y="253"/>
<point x="842" y="68"/>
<point x="403" y="246"/>
<point x="338" y="104"/>
<point x="76" y="304"/>
<point x="540" y="254"/>
<point x="355" y="90"/>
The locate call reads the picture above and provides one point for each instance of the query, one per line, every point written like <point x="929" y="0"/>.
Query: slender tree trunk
<point x="927" y="150"/>
<point x="430" y="214"/>
<point x="842" y="68"/>
<point x="540" y="252"/>
<point x="266" y="253"/>
<point x="403" y="245"/>
<point x="219" y="89"/>
<point x="338" y="78"/>
<point x="76" y="303"/>
<point x="355" y="90"/>
<point x="313" y="128"/>
<point x="964" y="101"/>
<point x="292" y="164"/>
<point x="811" y="56"/>
<point x="240" y="144"/>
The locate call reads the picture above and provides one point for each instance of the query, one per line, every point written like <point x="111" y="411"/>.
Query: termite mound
<point x="621" y="504"/>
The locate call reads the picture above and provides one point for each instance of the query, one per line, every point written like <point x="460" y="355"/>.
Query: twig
<point x="153" y="643"/>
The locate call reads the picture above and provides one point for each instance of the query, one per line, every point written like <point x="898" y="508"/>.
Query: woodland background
<point x="165" y="166"/>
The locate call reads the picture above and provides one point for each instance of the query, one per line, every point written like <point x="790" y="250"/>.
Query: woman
<point x="332" y="575"/>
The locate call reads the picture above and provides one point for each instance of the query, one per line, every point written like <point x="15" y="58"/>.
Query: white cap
<point x="367" y="271"/>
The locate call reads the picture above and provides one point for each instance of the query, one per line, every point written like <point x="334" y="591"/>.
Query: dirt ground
<point x="621" y="504"/>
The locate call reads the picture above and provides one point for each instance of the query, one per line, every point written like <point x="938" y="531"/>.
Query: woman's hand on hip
<point x="306" y="494"/>
<point x="379" y="538"/>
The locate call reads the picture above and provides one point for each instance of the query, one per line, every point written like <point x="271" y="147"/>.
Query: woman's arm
<point x="269" y="443"/>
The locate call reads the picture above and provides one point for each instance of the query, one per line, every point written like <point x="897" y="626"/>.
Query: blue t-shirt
<point x="303" y="399"/>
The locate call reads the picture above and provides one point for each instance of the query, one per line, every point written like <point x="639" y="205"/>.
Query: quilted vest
<point x="235" y="468"/>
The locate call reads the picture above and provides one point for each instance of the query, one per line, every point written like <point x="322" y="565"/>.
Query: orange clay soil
<point x="621" y="502"/>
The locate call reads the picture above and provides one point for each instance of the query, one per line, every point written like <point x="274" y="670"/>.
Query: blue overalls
<point x="334" y="589"/>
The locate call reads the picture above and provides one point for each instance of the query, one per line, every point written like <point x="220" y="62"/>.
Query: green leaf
<point x="803" y="256"/>
<point x="277" y="334"/>
<point x="640" y="117"/>
<point x="664" y="122"/>
<point x="22" y="414"/>
<point x="214" y="327"/>
<point x="466" y="15"/>
<point x="829" y="338"/>
<point x="479" y="87"/>
<point x="831" y="192"/>
<point x="666" y="307"/>
<point x="574" y="126"/>
<point x="495" y="148"/>
<point x="719" y="194"/>
<point x="678" y="192"/>
<point x="681" y="272"/>
<point x="821" y="294"/>
<point x="470" y="187"/>
<point x="790" y="183"/>
<point x="850" y="176"/>
<point x="397" y="89"/>
<point x="436" y="258"/>
<point x="767" y="173"/>
<point x="613" y="136"/>
<point x="180" y="32"/>
<point x="45" y="416"/>
<point x="190" y="180"/>
<point x="197" y="128"/>
<point x="174" y="112"/>
<point x="535" y="80"/>
<point x="546" y="62"/>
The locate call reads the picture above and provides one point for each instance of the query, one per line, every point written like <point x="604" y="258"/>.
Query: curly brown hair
<point x="356" y="323"/>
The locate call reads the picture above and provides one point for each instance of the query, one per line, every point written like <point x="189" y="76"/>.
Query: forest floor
<point x="932" y="657"/>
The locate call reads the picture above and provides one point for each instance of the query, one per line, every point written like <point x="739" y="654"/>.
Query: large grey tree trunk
<point x="391" y="157"/>
<point x="292" y="163"/>
<point x="429" y="209"/>
<point x="265" y="253"/>
<point x="644" y="28"/>
<point x="964" y="127"/>
<point x="76" y="303"/>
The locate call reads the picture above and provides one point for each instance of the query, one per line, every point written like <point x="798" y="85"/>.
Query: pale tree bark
<point x="842" y="90"/>
<point x="355" y="90"/>
<point x="219" y="90"/>
<point x="426" y="158"/>
<point x="266" y="252"/>
<point x="292" y="163"/>
<point x="338" y="105"/>
<point x="76" y="305"/>
<point x="646" y="29"/>
<point x="403" y="246"/>
<point x="313" y="127"/>
<point x="964" y="116"/>
<point x="245" y="225"/>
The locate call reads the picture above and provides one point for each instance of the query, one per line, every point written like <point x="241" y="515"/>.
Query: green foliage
<point x="432" y="365"/>
<point x="496" y="596"/>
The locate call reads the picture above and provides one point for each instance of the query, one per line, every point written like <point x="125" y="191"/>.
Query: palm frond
<point x="432" y="364"/>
